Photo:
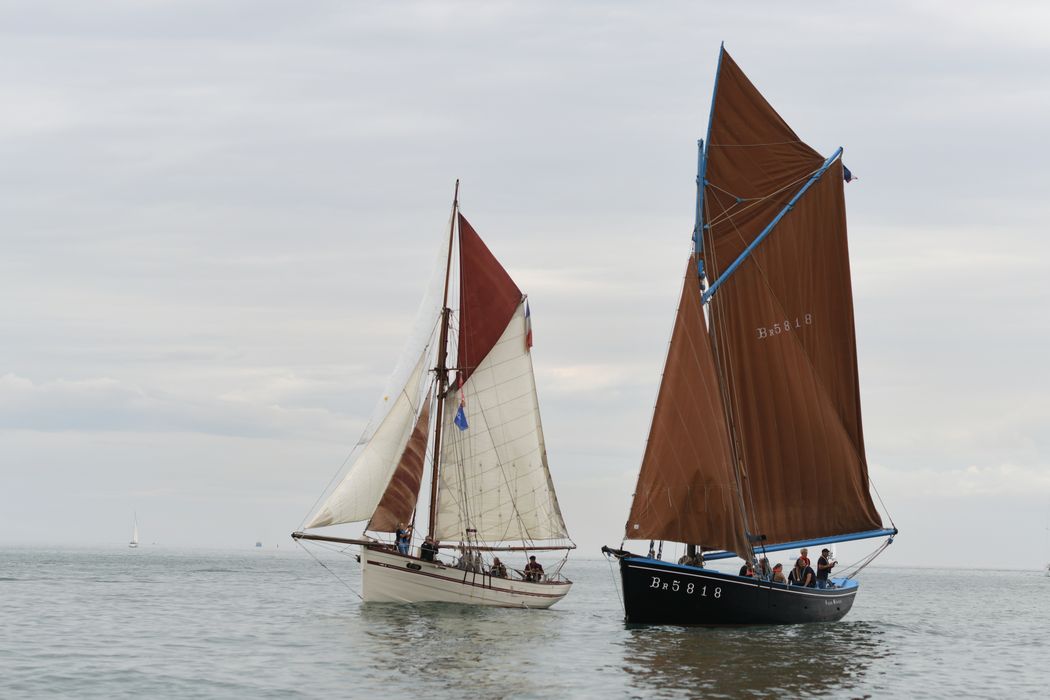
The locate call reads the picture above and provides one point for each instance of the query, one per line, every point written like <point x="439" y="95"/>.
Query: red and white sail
<point x="495" y="484"/>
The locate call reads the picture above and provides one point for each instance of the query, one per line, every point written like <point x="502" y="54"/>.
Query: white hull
<point x="389" y="577"/>
<point x="133" y="545"/>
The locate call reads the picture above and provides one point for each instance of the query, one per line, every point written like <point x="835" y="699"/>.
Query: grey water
<point x="152" y="622"/>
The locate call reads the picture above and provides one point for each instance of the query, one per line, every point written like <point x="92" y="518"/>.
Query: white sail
<point x="494" y="476"/>
<point x="134" y="533"/>
<point x="357" y="496"/>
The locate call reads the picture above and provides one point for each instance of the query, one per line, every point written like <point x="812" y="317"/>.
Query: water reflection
<point x="796" y="660"/>
<point x="456" y="642"/>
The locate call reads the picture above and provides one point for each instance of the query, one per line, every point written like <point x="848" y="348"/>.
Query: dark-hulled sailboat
<point x="756" y="442"/>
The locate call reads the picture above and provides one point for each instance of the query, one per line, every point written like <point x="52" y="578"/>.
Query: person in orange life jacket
<point x="803" y="556"/>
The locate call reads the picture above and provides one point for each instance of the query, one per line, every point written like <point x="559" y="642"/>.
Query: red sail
<point x="783" y="322"/>
<point x="488" y="298"/>
<point x="399" y="500"/>
<point x="687" y="491"/>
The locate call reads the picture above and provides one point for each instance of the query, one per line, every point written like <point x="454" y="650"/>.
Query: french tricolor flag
<point x="528" y="327"/>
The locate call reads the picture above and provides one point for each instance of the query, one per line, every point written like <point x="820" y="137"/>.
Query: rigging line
<point x="883" y="504"/>
<point x="612" y="575"/>
<point x="754" y="201"/>
<point x="329" y="570"/>
<point x="753" y="145"/>
<point x="870" y="558"/>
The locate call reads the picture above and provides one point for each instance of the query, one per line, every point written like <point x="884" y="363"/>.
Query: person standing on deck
<point x="824" y="566"/>
<point x="403" y="537"/>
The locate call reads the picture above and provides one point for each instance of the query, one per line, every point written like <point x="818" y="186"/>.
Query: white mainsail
<point x="134" y="533"/>
<point x="494" y="477"/>
<point x="357" y="496"/>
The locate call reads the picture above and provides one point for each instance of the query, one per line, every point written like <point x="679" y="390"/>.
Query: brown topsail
<point x="756" y="443"/>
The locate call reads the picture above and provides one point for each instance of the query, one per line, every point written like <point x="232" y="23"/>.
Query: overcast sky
<point x="218" y="217"/>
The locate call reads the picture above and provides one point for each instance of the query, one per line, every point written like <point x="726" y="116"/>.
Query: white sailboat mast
<point x="442" y="371"/>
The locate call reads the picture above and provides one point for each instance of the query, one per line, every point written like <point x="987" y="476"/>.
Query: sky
<point x="218" y="220"/>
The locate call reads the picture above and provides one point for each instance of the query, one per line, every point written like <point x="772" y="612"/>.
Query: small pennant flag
<point x="528" y="327"/>
<point x="461" y="417"/>
<point x="847" y="175"/>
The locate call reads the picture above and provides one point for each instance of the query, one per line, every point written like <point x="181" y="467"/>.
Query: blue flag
<point x="461" y="418"/>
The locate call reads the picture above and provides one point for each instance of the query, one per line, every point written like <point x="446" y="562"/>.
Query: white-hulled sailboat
<point x="490" y="487"/>
<point x="134" y="532"/>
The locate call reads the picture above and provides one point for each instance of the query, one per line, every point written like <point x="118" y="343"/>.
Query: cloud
<point x="109" y="405"/>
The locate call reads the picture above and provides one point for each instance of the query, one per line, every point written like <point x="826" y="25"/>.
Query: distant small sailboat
<point x="258" y="544"/>
<point x="134" y="533"/>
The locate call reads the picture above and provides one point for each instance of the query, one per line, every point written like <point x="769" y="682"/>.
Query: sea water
<point x="265" y="623"/>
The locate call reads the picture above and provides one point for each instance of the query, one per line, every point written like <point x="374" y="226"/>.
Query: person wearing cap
<point x="824" y="566"/>
<point x="533" y="570"/>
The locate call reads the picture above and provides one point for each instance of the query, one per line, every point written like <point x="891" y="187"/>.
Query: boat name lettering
<point x="676" y="586"/>
<point x="785" y="326"/>
<point x="833" y="601"/>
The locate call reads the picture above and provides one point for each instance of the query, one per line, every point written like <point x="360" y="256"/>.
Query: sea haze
<point x="272" y="623"/>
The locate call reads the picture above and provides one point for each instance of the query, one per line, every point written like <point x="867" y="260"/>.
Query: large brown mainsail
<point x="783" y="322"/>
<point x="686" y="490"/>
<point x="399" y="500"/>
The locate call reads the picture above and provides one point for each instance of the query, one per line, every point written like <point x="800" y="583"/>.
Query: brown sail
<point x="783" y="322"/>
<point x="687" y="491"/>
<point x="399" y="500"/>
<point x="488" y="299"/>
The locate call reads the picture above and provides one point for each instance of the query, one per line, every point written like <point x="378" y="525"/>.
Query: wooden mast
<point x="442" y="372"/>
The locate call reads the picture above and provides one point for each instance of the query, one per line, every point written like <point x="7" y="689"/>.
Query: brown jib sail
<point x="687" y="491"/>
<point x="399" y="500"/>
<point x="786" y="393"/>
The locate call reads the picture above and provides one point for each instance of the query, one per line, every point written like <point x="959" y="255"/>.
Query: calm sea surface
<point x="158" y="623"/>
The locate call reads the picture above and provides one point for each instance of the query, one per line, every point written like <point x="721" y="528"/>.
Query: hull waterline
<point x="658" y="592"/>
<point x="390" y="577"/>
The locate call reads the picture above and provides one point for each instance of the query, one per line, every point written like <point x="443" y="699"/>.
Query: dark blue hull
<point x="657" y="592"/>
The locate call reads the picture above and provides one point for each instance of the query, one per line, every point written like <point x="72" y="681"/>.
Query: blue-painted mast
<point x="701" y="174"/>
<point x="772" y="224"/>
